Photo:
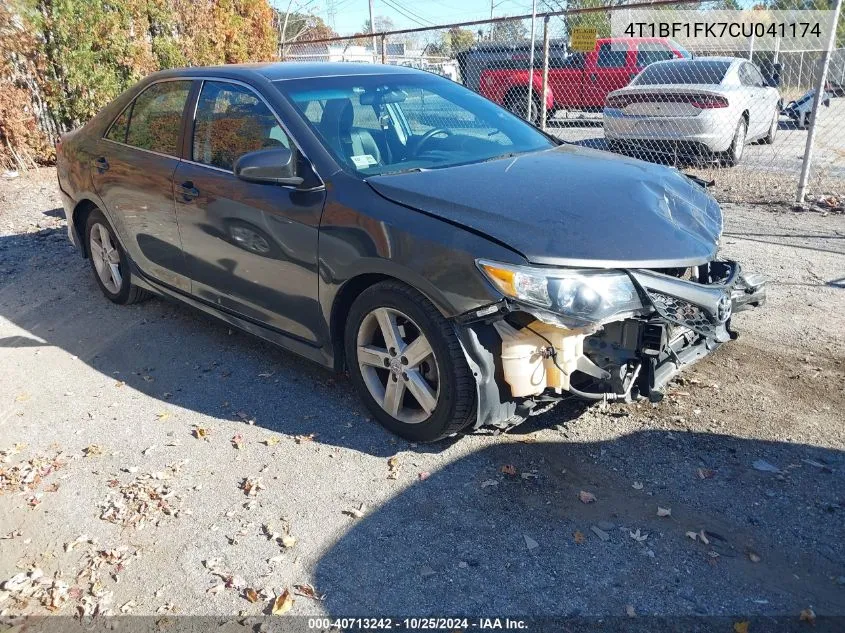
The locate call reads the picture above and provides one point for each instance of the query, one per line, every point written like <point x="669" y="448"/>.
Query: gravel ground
<point x="129" y="436"/>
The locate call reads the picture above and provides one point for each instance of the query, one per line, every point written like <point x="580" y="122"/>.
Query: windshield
<point x="683" y="72"/>
<point x="378" y="124"/>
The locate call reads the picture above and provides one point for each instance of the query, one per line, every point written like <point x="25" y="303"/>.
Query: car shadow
<point x="178" y="355"/>
<point x="470" y="540"/>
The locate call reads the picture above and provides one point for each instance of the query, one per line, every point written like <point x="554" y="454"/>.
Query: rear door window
<point x="612" y="55"/>
<point x="155" y="118"/>
<point x="650" y="52"/>
<point x="232" y="120"/>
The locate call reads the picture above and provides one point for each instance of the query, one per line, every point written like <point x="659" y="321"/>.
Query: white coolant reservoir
<point x="526" y="369"/>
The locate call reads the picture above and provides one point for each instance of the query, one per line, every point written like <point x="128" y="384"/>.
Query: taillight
<point x="701" y="101"/>
<point x="706" y="102"/>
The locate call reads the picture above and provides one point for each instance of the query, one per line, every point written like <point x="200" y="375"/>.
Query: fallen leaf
<point x="586" y="497"/>
<point x="424" y="475"/>
<point x="272" y="441"/>
<point x="764" y="466"/>
<point x="664" y="512"/>
<point x="357" y="513"/>
<point x="692" y="535"/>
<point x="162" y="416"/>
<point x="579" y="537"/>
<point x="251" y="486"/>
<point x="251" y="594"/>
<point x="93" y="450"/>
<point x="741" y="626"/>
<point x="638" y="536"/>
<point x="706" y="473"/>
<point x="237" y="441"/>
<point x="308" y="591"/>
<point x="288" y="541"/>
<point x="808" y="616"/>
<point x="282" y="604"/>
<point x="629" y="611"/>
<point x="754" y="557"/>
<point x="530" y="543"/>
<point x="637" y="485"/>
<point x="393" y="467"/>
<point x="119" y="383"/>
<point x="201" y="432"/>
<point x="509" y="470"/>
<point x="299" y="439"/>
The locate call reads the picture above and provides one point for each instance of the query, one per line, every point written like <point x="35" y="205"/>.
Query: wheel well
<point x="340" y="310"/>
<point x="80" y="219"/>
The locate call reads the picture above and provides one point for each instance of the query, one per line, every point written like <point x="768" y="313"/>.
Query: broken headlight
<point x="583" y="296"/>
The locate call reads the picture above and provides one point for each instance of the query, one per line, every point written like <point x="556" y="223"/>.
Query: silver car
<point x="703" y="106"/>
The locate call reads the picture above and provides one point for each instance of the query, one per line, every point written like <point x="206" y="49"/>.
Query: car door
<point x="133" y="175"/>
<point x="607" y="70"/>
<point x="251" y="248"/>
<point x="566" y="79"/>
<point x="754" y="101"/>
<point x="766" y="96"/>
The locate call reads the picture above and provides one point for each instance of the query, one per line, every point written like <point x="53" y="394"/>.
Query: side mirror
<point x="269" y="166"/>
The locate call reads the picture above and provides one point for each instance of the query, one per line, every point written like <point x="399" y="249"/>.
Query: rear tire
<point x="737" y="148"/>
<point x="516" y="102"/>
<point x="422" y="397"/>
<point x="109" y="262"/>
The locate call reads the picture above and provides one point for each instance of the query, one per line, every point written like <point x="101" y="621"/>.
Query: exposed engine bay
<point x="683" y="315"/>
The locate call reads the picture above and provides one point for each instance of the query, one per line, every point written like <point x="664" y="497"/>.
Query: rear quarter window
<point x="156" y="117"/>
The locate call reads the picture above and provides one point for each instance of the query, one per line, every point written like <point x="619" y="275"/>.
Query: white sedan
<point x="700" y="106"/>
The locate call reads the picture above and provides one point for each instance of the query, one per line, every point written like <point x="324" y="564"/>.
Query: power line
<point x="409" y="15"/>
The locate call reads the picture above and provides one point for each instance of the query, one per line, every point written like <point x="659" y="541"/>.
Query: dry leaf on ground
<point x="237" y="441"/>
<point x="509" y="470"/>
<point x="664" y="512"/>
<point x="201" y="432"/>
<point x="282" y="604"/>
<point x="586" y="497"/>
<point x="808" y="615"/>
<point x="579" y="537"/>
<point x="252" y="485"/>
<point x="251" y="594"/>
<point x="357" y="513"/>
<point x="308" y="590"/>
<point x="637" y="485"/>
<point x="741" y="626"/>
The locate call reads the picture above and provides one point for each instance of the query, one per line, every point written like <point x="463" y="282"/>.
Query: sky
<point x="351" y="14"/>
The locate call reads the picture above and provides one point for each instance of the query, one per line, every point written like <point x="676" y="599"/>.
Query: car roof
<point x="279" y="71"/>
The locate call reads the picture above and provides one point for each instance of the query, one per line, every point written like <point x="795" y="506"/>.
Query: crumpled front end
<point x="526" y="356"/>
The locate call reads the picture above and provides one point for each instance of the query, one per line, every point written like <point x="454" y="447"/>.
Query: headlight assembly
<point x="582" y="296"/>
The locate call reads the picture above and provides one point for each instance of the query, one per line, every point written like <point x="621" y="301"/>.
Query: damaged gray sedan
<point x="465" y="268"/>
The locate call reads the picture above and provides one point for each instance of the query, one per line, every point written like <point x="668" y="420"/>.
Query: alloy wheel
<point x="398" y="365"/>
<point x="106" y="258"/>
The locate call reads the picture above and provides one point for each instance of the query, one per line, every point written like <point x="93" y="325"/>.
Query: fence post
<point x="383" y="48"/>
<point x="531" y="59"/>
<point x="543" y="108"/>
<point x="817" y="102"/>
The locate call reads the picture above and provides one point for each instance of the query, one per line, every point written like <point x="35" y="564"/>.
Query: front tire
<point x="406" y="362"/>
<point x="773" y="128"/>
<point x="109" y="261"/>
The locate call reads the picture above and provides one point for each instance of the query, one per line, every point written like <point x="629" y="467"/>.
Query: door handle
<point x="101" y="164"/>
<point x="187" y="191"/>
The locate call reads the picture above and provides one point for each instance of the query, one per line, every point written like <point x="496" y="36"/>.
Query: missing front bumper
<point x="521" y="360"/>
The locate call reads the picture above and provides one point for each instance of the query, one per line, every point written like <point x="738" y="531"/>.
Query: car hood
<point x="571" y="206"/>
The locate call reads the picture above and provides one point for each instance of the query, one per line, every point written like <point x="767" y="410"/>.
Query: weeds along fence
<point x="727" y="117"/>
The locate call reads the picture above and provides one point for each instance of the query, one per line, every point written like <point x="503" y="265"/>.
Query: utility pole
<point x="817" y="104"/>
<point x="373" y="31"/>
<point x="531" y="61"/>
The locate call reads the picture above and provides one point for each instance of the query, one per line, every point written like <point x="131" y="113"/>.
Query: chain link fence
<point x="735" y="113"/>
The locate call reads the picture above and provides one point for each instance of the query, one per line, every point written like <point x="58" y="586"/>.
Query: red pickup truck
<point x="578" y="81"/>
